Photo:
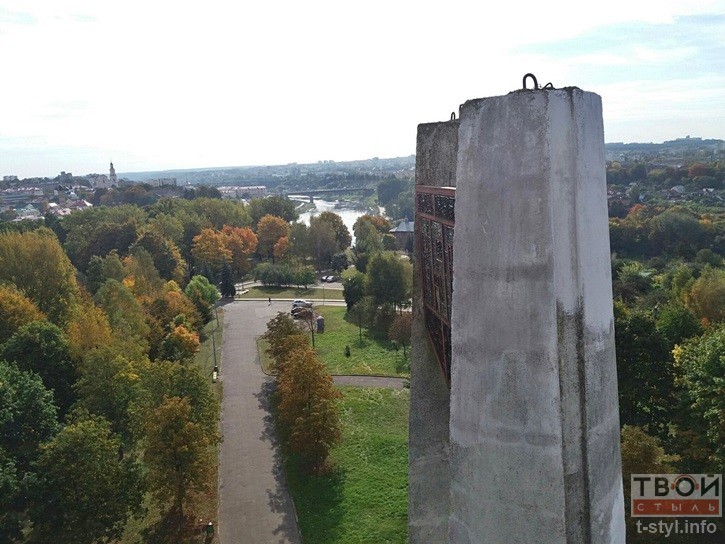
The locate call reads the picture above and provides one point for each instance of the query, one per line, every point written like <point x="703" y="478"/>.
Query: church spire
<point x="112" y="175"/>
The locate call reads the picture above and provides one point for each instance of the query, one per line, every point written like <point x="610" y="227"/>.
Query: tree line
<point x="669" y="310"/>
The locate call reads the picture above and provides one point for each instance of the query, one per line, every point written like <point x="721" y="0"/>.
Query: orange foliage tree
<point x="308" y="409"/>
<point x="269" y="230"/>
<point x="241" y="243"/>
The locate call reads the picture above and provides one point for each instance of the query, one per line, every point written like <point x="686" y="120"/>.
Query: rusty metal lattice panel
<point x="435" y="213"/>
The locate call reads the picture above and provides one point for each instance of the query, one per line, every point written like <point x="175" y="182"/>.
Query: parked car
<point x="329" y="279"/>
<point x="301" y="303"/>
<point x="301" y="313"/>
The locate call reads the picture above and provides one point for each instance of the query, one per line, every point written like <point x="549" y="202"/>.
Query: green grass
<point x="365" y="497"/>
<point x="265" y="360"/>
<point x="370" y="356"/>
<point x="291" y="292"/>
<point x="348" y="273"/>
<point x="205" y="356"/>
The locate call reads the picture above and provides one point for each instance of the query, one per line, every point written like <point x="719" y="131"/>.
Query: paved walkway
<point x="255" y="506"/>
<point x="254" y="503"/>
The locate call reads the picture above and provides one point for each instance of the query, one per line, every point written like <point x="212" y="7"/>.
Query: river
<point x="349" y="216"/>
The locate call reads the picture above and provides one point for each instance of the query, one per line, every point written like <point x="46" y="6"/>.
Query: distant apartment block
<point x="161" y="181"/>
<point x="10" y="178"/>
<point x="249" y="191"/>
<point x="20" y="195"/>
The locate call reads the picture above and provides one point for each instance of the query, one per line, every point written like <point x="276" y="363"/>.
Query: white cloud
<point x="181" y="84"/>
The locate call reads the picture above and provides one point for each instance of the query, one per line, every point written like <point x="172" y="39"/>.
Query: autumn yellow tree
<point x="209" y="249"/>
<point x="706" y="296"/>
<point x="88" y="328"/>
<point x="38" y="267"/>
<point x="181" y="343"/>
<point x="16" y="310"/>
<point x="178" y="455"/>
<point x="642" y="454"/>
<point x="269" y="230"/>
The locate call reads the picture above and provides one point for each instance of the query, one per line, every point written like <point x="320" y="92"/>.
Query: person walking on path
<point x="270" y="301"/>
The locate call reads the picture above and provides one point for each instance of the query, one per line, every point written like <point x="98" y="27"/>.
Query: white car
<point x="300" y="303"/>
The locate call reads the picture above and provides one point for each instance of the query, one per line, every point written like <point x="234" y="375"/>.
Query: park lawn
<point x="364" y="498"/>
<point x="312" y="293"/>
<point x="369" y="356"/>
<point x="205" y="356"/>
<point x="265" y="359"/>
<point x="149" y="529"/>
<point x="348" y="273"/>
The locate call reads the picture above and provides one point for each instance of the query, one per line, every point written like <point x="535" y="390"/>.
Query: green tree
<point x="400" y="330"/>
<point x="108" y="386"/>
<point x="353" y="289"/>
<point x="203" y="294"/>
<point x="342" y="234"/>
<point x="644" y="371"/>
<point x="389" y="189"/>
<point x="227" y="282"/>
<point x="299" y="237"/>
<point x="676" y="324"/>
<point x="28" y="418"/>
<point x="339" y="261"/>
<point x="633" y="281"/>
<point x="362" y="313"/>
<point x="42" y="347"/>
<point x="11" y="503"/>
<point x="28" y="415"/>
<point x="367" y="238"/>
<point x="323" y="242"/>
<point x="178" y="454"/>
<point x="278" y="206"/>
<point x="167" y="226"/>
<point x="216" y="213"/>
<point x="701" y="368"/>
<point x="85" y="493"/>
<point x="166" y="256"/>
<point x="389" y="279"/>
<point x="159" y="380"/>
<point x="125" y="314"/>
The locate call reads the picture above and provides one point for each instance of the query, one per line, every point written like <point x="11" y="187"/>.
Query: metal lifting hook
<point x="453" y="116"/>
<point x="532" y="76"/>
<point x="536" y="83"/>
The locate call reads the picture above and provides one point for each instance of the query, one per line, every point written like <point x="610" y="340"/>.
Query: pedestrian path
<point x="255" y="506"/>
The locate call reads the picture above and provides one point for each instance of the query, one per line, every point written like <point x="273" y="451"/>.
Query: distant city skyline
<point x="156" y="86"/>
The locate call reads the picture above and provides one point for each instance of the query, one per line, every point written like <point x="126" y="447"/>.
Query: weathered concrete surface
<point x="534" y="427"/>
<point x="429" y="482"/>
<point x="254" y="502"/>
